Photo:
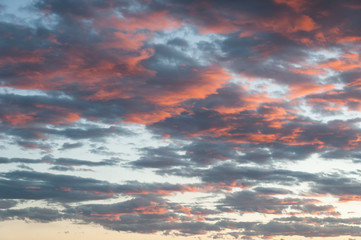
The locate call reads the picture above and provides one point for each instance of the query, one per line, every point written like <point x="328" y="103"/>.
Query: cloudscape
<point x="155" y="119"/>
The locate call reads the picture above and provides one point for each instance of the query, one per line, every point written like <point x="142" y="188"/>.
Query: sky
<point x="155" y="119"/>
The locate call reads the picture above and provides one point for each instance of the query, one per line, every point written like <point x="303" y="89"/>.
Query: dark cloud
<point x="81" y="9"/>
<point x="4" y="204"/>
<point x="162" y="157"/>
<point x="48" y="159"/>
<point x="248" y="201"/>
<point x="67" y="146"/>
<point x="145" y="215"/>
<point x="180" y="42"/>
<point x="62" y="188"/>
<point x="76" y="162"/>
<point x="36" y="214"/>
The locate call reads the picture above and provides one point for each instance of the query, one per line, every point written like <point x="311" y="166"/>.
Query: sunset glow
<point x="155" y="119"/>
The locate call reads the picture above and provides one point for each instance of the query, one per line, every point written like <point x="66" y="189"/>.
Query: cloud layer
<point x="237" y="118"/>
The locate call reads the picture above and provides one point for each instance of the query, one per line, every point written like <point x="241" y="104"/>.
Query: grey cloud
<point x="248" y="201"/>
<point x="62" y="188"/>
<point x="37" y="214"/>
<point x="4" y="204"/>
<point x="162" y="157"/>
<point x="48" y="159"/>
<point x="67" y="146"/>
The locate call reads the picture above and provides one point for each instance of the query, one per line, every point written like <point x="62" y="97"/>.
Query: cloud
<point x="5" y="204"/>
<point x="43" y="215"/>
<point x="71" y="146"/>
<point x="222" y="103"/>
<point x="62" y="162"/>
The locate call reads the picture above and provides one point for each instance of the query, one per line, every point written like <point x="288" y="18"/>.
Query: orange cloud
<point x="17" y="119"/>
<point x="303" y="89"/>
<point x="349" y="198"/>
<point x="207" y="82"/>
<point x="297" y="5"/>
